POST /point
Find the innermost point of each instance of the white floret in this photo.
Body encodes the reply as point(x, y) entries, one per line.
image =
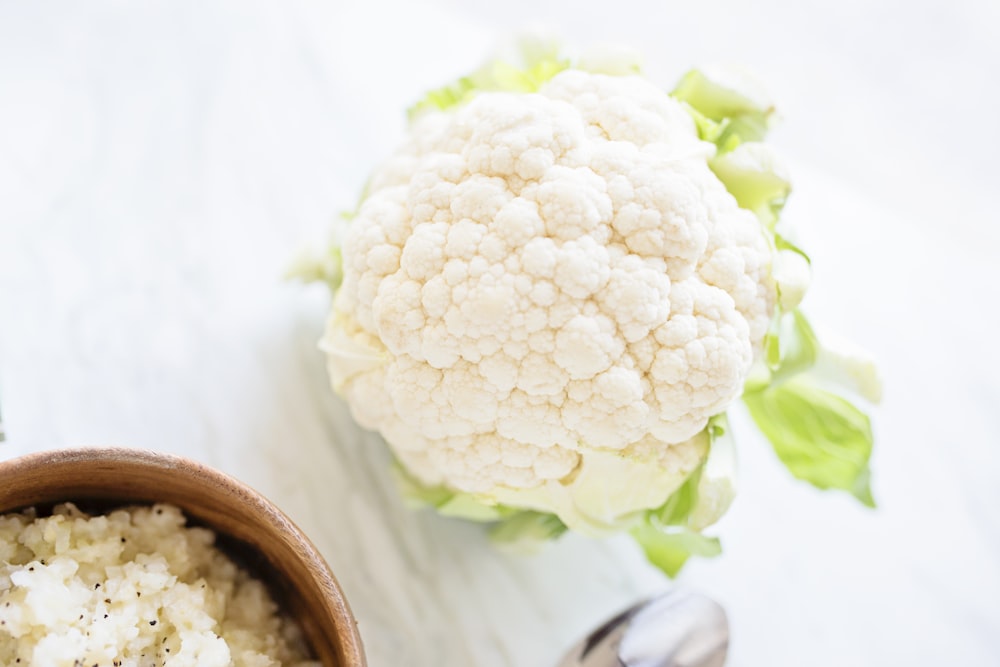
point(534, 279)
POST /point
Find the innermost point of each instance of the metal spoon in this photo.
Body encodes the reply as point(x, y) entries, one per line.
point(677, 629)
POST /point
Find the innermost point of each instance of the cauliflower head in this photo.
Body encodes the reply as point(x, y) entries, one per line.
point(547, 295)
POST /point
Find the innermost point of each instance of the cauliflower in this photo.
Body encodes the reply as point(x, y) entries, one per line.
point(554, 289)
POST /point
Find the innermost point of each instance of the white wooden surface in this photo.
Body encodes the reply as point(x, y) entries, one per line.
point(161, 162)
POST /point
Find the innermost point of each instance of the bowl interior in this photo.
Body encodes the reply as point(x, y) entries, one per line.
point(250, 528)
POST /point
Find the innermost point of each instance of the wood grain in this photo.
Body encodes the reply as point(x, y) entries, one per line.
point(249, 526)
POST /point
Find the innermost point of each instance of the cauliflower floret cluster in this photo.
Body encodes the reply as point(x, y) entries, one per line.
point(539, 283)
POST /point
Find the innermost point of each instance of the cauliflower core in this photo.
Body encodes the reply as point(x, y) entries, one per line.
point(544, 291)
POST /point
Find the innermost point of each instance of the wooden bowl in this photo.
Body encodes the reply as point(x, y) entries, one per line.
point(251, 529)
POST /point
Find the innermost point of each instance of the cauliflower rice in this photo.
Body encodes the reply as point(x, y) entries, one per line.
point(132, 588)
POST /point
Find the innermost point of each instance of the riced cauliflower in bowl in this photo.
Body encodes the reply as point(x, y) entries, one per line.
point(133, 587)
point(127, 558)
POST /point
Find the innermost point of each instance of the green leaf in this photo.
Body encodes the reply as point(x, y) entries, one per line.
point(781, 243)
point(417, 494)
point(727, 100)
point(325, 267)
point(844, 365)
point(522, 530)
point(497, 75)
point(772, 343)
point(754, 176)
point(799, 347)
point(444, 98)
point(736, 124)
point(791, 272)
point(526, 531)
point(447, 502)
point(679, 505)
point(790, 348)
point(716, 477)
point(718, 426)
point(819, 436)
point(466, 506)
point(727, 133)
point(668, 534)
point(527, 80)
point(708, 129)
point(720, 94)
point(669, 548)
point(742, 128)
point(862, 489)
point(697, 502)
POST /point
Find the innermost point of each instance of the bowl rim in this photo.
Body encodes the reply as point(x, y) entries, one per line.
point(203, 474)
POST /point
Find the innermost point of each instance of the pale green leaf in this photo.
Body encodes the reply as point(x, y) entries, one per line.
point(324, 267)
point(845, 365)
point(753, 174)
point(819, 436)
point(447, 502)
point(790, 348)
point(497, 75)
point(680, 504)
point(781, 243)
point(708, 130)
point(444, 98)
point(799, 347)
point(669, 548)
point(527, 531)
point(740, 129)
point(416, 494)
point(729, 99)
point(717, 477)
point(466, 506)
point(723, 93)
